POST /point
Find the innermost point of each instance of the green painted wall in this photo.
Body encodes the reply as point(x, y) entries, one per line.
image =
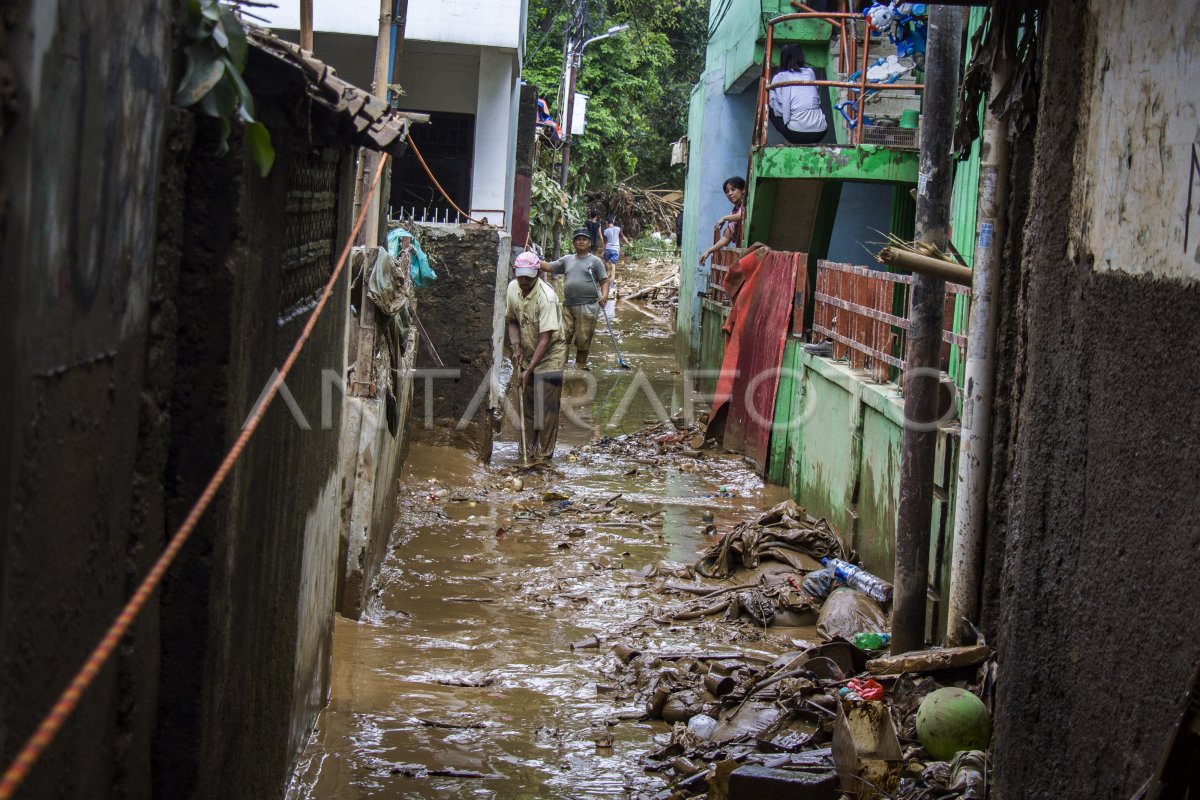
point(687, 308)
point(836, 445)
point(712, 343)
point(863, 163)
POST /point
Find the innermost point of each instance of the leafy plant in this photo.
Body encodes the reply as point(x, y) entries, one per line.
point(550, 206)
point(639, 84)
point(215, 50)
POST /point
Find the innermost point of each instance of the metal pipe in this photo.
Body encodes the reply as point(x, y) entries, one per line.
point(856, 133)
point(768, 54)
point(975, 444)
point(921, 379)
point(926, 265)
point(847, 85)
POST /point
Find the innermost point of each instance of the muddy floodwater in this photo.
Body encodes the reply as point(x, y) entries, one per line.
point(461, 680)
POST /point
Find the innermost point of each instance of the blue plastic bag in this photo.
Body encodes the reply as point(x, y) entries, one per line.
point(419, 270)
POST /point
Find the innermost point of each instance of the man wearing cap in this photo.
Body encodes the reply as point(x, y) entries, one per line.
point(534, 323)
point(585, 287)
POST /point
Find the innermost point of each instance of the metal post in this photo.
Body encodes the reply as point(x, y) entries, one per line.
point(974, 451)
point(921, 378)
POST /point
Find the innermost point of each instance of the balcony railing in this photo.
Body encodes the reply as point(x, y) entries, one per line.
point(856, 308)
point(849, 59)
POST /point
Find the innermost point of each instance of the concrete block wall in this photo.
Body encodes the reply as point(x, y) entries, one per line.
point(149, 291)
point(462, 312)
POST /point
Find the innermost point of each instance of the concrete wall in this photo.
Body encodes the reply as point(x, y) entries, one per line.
point(462, 313)
point(247, 610)
point(1095, 475)
point(150, 290)
point(719, 127)
point(836, 446)
point(81, 412)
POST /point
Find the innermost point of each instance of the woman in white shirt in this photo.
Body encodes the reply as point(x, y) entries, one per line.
point(796, 110)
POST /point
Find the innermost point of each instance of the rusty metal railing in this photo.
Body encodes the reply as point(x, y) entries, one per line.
point(847, 57)
point(856, 309)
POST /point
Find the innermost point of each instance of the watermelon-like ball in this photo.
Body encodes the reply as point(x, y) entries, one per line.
point(950, 720)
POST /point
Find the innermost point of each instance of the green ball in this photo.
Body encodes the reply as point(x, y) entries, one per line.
point(950, 720)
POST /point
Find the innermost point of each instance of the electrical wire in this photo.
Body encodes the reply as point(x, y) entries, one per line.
point(416, 152)
point(52, 723)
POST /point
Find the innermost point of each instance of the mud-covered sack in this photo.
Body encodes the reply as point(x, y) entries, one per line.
point(847, 612)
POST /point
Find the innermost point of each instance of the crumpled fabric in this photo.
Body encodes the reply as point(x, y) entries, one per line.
point(420, 273)
point(784, 533)
point(389, 288)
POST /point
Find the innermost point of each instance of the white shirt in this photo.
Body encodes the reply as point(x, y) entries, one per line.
point(799, 106)
point(612, 238)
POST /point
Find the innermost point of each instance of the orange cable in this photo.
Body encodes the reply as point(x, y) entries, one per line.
point(19, 769)
point(437, 185)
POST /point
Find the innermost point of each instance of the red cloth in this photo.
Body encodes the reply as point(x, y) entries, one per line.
point(761, 288)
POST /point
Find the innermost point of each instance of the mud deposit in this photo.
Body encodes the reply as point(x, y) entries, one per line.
point(462, 680)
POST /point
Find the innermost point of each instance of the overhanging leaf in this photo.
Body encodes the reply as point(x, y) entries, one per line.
point(237, 37)
point(222, 101)
point(218, 35)
point(260, 147)
point(204, 71)
point(243, 90)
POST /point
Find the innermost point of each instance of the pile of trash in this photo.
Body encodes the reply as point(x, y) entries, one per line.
point(830, 715)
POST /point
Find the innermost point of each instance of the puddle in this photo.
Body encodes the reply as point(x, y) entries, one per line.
point(461, 681)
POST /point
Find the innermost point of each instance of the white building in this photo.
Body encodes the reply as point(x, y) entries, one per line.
point(461, 63)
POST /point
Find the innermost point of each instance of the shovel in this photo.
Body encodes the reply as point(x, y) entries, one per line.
point(608, 324)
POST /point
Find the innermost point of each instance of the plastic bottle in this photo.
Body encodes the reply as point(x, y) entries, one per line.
point(858, 578)
point(872, 641)
point(848, 695)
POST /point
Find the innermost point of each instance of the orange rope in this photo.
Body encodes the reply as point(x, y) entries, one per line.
point(438, 186)
point(53, 721)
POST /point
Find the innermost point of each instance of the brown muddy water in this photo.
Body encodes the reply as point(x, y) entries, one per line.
point(473, 593)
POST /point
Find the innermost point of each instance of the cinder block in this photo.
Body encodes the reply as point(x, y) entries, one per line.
point(755, 782)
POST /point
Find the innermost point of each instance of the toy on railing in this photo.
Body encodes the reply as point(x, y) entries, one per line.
point(903, 24)
point(884, 71)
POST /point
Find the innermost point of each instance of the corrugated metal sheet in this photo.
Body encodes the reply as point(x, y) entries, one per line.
point(759, 323)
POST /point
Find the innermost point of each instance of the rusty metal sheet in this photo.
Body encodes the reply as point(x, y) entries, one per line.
point(763, 288)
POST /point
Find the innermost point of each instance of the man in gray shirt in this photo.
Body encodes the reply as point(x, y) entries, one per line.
point(586, 286)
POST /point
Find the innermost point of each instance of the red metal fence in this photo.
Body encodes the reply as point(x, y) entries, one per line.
point(864, 312)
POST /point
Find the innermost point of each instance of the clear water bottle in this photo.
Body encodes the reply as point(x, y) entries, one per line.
point(858, 578)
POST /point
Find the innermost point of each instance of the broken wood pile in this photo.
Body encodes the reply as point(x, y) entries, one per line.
point(638, 211)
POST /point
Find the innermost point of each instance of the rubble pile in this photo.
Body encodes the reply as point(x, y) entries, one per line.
point(831, 714)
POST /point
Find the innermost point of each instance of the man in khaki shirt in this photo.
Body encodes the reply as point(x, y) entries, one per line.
point(534, 327)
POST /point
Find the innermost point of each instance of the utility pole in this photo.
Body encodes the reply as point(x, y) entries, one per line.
point(571, 39)
point(922, 376)
point(364, 364)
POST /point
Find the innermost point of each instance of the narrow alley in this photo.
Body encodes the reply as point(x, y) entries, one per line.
point(560, 399)
point(461, 680)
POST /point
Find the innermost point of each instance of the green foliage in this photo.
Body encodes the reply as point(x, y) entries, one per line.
point(638, 84)
point(550, 206)
point(215, 51)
